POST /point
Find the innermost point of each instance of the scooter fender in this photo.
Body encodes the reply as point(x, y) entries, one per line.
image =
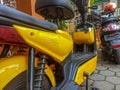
point(10, 67)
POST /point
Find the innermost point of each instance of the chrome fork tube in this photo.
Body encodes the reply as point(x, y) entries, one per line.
point(30, 72)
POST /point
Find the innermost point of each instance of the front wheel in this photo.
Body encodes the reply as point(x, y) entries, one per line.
point(19, 83)
point(116, 53)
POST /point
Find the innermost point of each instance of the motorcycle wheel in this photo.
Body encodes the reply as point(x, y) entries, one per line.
point(105, 55)
point(4, 50)
point(116, 53)
point(19, 83)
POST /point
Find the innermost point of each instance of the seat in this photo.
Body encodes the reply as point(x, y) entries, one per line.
point(10, 16)
point(53, 9)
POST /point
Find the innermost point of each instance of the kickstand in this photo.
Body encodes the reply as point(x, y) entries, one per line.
point(87, 88)
point(93, 88)
point(86, 75)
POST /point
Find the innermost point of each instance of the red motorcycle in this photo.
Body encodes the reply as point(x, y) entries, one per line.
point(110, 34)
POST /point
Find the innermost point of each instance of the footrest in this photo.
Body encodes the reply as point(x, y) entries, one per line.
point(79, 64)
point(82, 56)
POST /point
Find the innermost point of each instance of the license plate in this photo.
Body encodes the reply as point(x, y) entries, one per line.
point(113, 36)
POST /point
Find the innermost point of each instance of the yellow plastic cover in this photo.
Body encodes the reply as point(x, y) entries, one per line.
point(87, 67)
point(84, 37)
point(57, 44)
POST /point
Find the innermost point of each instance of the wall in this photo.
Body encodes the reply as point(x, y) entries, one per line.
point(28, 6)
point(24, 6)
point(33, 10)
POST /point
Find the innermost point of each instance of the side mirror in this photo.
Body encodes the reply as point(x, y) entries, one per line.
point(94, 7)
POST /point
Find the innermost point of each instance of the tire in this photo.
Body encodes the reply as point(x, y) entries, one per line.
point(105, 55)
point(19, 83)
point(4, 50)
point(116, 53)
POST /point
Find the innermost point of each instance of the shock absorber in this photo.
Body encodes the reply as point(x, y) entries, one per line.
point(39, 75)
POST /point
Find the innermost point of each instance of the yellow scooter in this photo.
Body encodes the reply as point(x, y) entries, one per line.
point(50, 63)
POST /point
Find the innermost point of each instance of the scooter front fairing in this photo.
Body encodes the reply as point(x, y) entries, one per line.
point(56, 44)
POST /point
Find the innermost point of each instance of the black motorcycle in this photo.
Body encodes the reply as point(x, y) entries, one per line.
point(110, 37)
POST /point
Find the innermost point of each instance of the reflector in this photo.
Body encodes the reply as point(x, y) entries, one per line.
point(8, 35)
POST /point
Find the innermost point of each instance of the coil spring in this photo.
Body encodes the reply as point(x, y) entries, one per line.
point(40, 73)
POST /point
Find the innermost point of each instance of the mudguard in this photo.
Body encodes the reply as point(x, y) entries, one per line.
point(12, 66)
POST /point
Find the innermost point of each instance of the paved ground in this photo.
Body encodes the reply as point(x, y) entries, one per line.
point(106, 75)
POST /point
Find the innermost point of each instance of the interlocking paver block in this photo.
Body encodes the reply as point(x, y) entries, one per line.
point(97, 77)
point(96, 71)
point(117, 87)
point(109, 65)
point(99, 67)
point(118, 66)
point(113, 79)
point(107, 73)
point(114, 69)
point(90, 82)
point(118, 74)
point(103, 85)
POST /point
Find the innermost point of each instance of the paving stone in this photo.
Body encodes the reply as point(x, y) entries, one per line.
point(97, 77)
point(118, 74)
point(99, 67)
point(107, 73)
point(107, 62)
point(109, 65)
point(93, 88)
point(83, 88)
point(117, 87)
point(99, 64)
point(113, 79)
point(101, 61)
point(103, 85)
point(96, 71)
point(90, 82)
point(118, 66)
point(114, 69)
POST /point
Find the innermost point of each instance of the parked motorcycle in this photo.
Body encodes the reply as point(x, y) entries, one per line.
point(110, 36)
point(49, 62)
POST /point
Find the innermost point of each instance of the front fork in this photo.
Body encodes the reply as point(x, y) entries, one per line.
point(30, 73)
point(32, 82)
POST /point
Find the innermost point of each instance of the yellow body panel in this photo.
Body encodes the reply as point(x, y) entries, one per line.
point(88, 67)
point(82, 37)
point(57, 44)
point(10, 67)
